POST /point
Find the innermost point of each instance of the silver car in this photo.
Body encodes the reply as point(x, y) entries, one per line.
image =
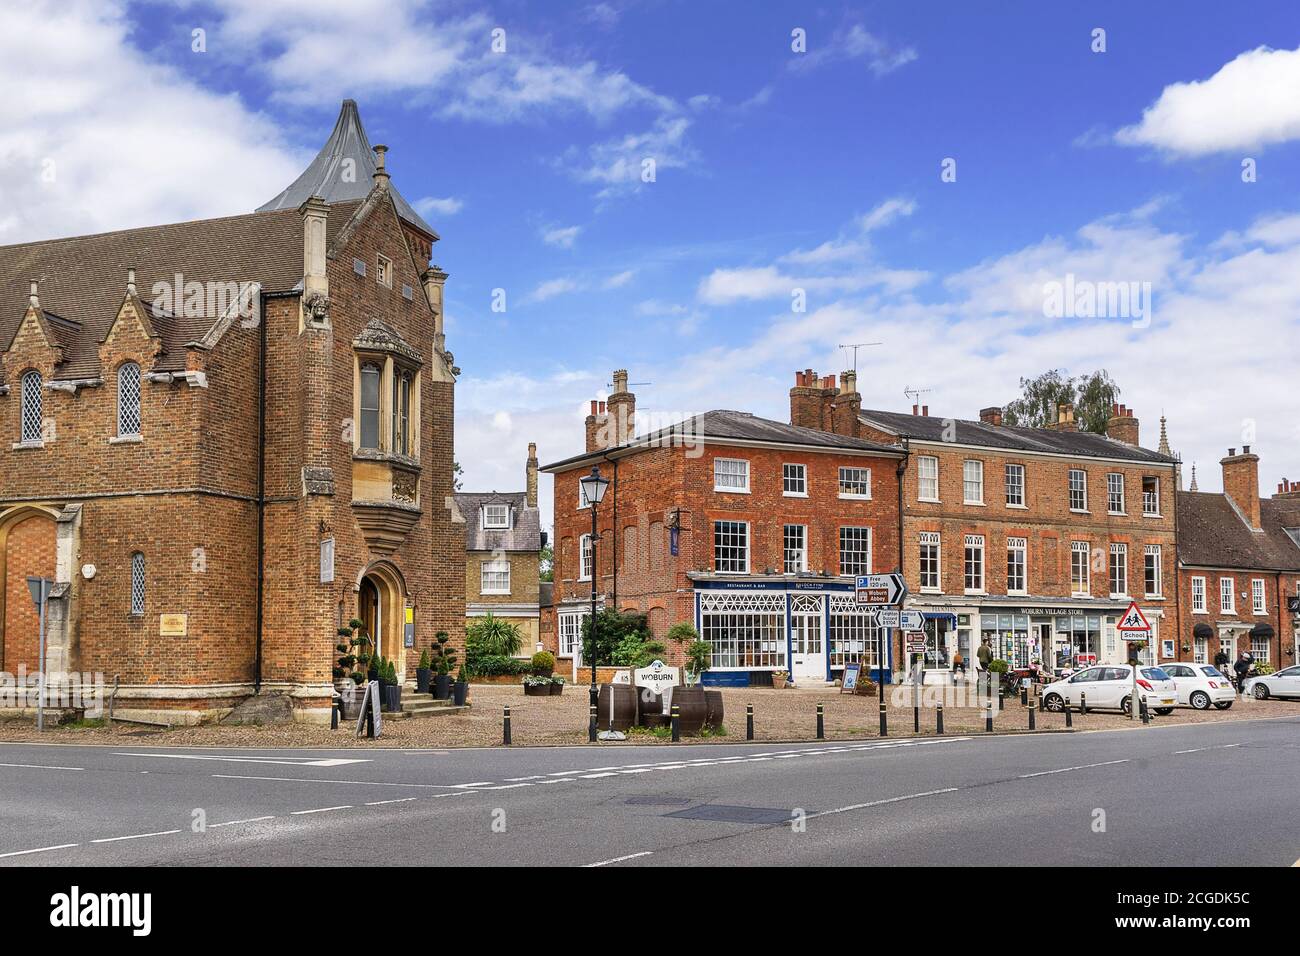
point(1283, 683)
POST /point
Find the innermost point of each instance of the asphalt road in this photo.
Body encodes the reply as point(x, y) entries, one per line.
point(1205, 794)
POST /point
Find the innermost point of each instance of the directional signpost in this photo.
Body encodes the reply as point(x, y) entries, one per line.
point(884, 592)
point(888, 617)
point(1136, 630)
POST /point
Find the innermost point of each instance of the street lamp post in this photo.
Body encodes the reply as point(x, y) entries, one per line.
point(593, 490)
point(40, 588)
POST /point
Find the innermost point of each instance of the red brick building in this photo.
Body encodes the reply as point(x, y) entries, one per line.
point(751, 529)
point(225, 438)
point(1238, 567)
point(1035, 539)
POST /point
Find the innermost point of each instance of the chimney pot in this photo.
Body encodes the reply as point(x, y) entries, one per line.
point(130, 281)
point(34, 298)
point(925, 410)
point(1245, 449)
point(593, 406)
point(1232, 452)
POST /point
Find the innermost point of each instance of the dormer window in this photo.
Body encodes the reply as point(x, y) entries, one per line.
point(128, 400)
point(384, 271)
point(31, 412)
point(496, 516)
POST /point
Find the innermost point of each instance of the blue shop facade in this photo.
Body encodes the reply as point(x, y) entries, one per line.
point(809, 627)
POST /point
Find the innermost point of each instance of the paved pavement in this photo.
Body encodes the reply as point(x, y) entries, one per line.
point(1209, 794)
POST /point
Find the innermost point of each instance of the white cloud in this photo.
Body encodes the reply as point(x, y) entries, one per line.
point(723, 286)
point(619, 279)
point(561, 236)
point(885, 213)
point(620, 164)
point(430, 205)
point(79, 144)
point(551, 288)
point(654, 307)
point(1252, 101)
point(854, 43)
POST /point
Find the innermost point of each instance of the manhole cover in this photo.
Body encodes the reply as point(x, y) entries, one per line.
point(657, 801)
point(724, 814)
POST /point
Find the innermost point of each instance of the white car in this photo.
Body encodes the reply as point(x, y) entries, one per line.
point(1200, 685)
point(1110, 687)
point(1283, 683)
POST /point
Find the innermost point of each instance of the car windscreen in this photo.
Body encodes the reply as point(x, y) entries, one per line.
point(1209, 671)
point(1154, 673)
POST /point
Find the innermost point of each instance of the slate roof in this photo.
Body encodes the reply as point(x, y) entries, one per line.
point(738, 426)
point(83, 278)
point(1212, 534)
point(325, 178)
point(524, 534)
point(1010, 437)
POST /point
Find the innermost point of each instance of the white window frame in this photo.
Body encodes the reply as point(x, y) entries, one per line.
point(967, 482)
point(384, 270)
point(1258, 596)
point(973, 544)
point(569, 633)
point(864, 564)
point(796, 474)
point(1158, 552)
point(1020, 547)
point(734, 529)
point(1156, 512)
point(930, 539)
point(494, 576)
point(1259, 649)
point(1112, 492)
point(1082, 475)
point(584, 557)
point(1117, 549)
point(1198, 596)
point(1080, 587)
point(503, 524)
point(1227, 589)
point(922, 479)
point(721, 471)
point(799, 553)
point(858, 480)
point(1017, 469)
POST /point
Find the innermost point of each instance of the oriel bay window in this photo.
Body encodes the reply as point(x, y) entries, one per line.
point(387, 405)
point(370, 377)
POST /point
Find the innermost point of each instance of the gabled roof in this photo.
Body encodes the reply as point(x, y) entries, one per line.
point(83, 278)
point(1212, 534)
point(524, 533)
point(733, 426)
point(1009, 437)
point(343, 170)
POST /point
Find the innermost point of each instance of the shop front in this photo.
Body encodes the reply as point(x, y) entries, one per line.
point(810, 629)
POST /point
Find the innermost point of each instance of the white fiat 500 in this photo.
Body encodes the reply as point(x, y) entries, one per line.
point(1284, 683)
point(1110, 687)
point(1200, 685)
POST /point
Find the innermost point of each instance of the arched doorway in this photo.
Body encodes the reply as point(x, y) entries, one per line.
point(381, 603)
point(27, 549)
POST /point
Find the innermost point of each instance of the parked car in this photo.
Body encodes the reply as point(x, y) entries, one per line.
point(1283, 683)
point(1110, 687)
point(1200, 685)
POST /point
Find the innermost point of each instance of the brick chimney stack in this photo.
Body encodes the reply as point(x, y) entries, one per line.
point(991, 415)
point(812, 401)
point(597, 427)
point(1064, 418)
point(622, 410)
point(315, 215)
point(1122, 425)
point(1288, 489)
point(531, 469)
point(381, 177)
point(848, 405)
point(435, 281)
point(1241, 483)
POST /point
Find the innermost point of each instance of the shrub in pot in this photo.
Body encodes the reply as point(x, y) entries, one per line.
point(460, 689)
point(391, 688)
point(543, 664)
point(423, 673)
point(444, 659)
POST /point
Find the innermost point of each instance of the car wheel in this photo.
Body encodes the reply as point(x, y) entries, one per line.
point(1223, 704)
point(1199, 700)
point(1164, 711)
point(1054, 703)
point(1125, 704)
point(1260, 691)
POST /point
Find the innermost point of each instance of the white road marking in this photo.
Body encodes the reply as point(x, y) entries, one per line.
point(135, 836)
point(618, 859)
point(1086, 766)
point(878, 803)
point(289, 762)
point(380, 803)
point(597, 776)
point(298, 813)
point(38, 766)
point(235, 823)
point(359, 783)
point(509, 786)
point(40, 849)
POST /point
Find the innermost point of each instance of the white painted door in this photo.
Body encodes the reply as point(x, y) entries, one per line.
point(808, 650)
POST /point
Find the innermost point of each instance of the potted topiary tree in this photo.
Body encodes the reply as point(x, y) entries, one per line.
point(460, 689)
point(444, 659)
point(392, 689)
point(423, 673)
point(543, 664)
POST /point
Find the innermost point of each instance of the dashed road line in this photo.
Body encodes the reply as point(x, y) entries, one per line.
point(879, 803)
point(380, 803)
point(299, 813)
point(619, 859)
point(235, 823)
point(135, 836)
point(38, 766)
point(39, 849)
point(1086, 766)
point(291, 762)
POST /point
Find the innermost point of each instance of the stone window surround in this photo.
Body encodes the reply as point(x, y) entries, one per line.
point(389, 367)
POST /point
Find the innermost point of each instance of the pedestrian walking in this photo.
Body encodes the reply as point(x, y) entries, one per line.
point(984, 657)
point(959, 664)
point(1242, 667)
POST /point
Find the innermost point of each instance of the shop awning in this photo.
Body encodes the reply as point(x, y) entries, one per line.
point(1262, 630)
point(1203, 630)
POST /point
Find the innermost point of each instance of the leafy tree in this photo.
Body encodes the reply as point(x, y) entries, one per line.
point(612, 628)
point(546, 563)
point(457, 476)
point(1091, 395)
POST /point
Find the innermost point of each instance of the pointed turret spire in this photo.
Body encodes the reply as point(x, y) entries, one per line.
point(1164, 439)
point(1193, 487)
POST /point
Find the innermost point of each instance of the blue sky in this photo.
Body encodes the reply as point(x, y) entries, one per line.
point(776, 170)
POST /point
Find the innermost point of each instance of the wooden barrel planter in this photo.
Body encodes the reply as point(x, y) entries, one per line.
point(692, 708)
point(623, 699)
point(713, 709)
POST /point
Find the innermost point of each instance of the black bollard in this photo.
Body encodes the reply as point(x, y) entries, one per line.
point(1001, 698)
point(1069, 718)
point(677, 724)
point(334, 715)
point(591, 723)
point(1024, 695)
point(749, 721)
point(821, 724)
point(938, 719)
point(1146, 714)
point(988, 717)
point(1083, 703)
point(505, 727)
point(1031, 715)
point(884, 719)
